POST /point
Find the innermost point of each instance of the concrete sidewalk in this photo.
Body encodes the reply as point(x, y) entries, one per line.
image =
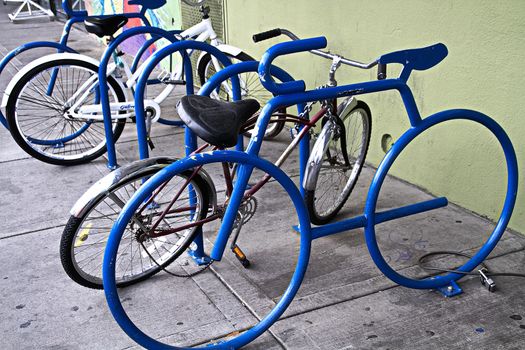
point(344, 303)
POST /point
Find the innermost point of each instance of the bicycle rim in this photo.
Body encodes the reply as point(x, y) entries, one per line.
point(40, 114)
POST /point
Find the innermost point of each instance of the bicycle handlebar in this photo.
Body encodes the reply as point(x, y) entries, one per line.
point(281, 49)
point(340, 59)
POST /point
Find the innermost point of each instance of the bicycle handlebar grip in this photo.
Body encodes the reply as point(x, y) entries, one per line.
point(285, 49)
point(266, 35)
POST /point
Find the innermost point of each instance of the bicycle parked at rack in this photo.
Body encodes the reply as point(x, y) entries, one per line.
point(74, 17)
point(64, 89)
point(186, 170)
point(338, 156)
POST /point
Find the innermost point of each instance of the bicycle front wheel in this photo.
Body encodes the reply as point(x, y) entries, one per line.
point(140, 255)
point(38, 112)
point(338, 173)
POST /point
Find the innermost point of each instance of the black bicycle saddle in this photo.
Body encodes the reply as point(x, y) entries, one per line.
point(103, 26)
point(216, 122)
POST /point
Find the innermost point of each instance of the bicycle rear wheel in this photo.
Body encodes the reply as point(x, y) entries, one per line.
point(335, 179)
point(37, 113)
point(140, 256)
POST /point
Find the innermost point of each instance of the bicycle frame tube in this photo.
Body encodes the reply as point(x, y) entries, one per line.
point(203, 28)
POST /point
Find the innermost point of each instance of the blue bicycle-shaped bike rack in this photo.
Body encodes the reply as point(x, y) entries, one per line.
point(290, 93)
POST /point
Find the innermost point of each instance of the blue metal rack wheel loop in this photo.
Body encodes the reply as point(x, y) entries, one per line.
point(136, 61)
point(152, 62)
point(147, 44)
point(292, 93)
point(399, 146)
point(104, 93)
point(145, 191)
point(238, 68)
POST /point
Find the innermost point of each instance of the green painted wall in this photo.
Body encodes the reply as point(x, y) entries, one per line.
point(485, 71)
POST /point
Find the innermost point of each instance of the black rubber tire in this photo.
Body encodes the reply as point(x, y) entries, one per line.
point(11, 116)
point(201, 71)
point(69, 234)
point(309, 197)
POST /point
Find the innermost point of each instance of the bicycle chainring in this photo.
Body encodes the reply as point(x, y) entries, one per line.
point(248, 209)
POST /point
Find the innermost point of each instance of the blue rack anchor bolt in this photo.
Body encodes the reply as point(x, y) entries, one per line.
point(451, 290)
point(199, 259)
point(196, 251)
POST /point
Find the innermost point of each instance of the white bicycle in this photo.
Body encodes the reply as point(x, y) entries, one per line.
point(53, 104)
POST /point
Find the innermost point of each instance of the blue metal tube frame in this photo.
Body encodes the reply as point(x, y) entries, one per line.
point(384, 216)
point(249, 160)
point(104, 94)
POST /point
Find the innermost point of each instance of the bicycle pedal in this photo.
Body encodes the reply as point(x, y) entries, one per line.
point(241, 256)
